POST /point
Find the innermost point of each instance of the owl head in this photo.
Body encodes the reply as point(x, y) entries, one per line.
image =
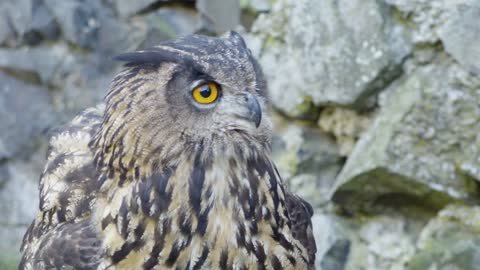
point(195, 91)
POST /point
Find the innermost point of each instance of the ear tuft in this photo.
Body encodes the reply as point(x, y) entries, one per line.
point(152, 56)
point(236, 38)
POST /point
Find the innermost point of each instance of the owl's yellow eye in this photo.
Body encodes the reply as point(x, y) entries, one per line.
point(205, 93)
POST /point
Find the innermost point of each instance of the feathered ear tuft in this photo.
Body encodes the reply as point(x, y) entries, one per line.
point(236, 38)
point(152, 56)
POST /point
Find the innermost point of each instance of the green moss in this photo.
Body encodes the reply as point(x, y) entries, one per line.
point(452, 249)
point(381, 186)
point(470, 184)
point(307, 110)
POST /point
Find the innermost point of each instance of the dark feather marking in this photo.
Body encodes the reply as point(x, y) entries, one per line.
point(123, 252)
point(144, 188)
point(175, 252)
point(196, 182)
point(153, 259)
point(276, 264)
point(254, 227)
point(58, 161)
point(133, 203)
point(240, 235)
point(224, 260)
point(120, 80)
point(203, 221)
point(117, 142)
point(62, 211)
point(106, 221)
point(79, 174)
point(134, 87)
point(82, 207)
point(122, 177)
point(253, 181)
point(123, 213)
point(111, 172)
point(136, 173)
point(243, 198)
point(261, 256)
point(159, 237)
point(292, 259)
point(300, 213)
point(250, 247)
point(121, 99)
point(158, 247)
point(184, 223)
point(155, 165)
point(160, 180)
point(280, 238)
point(202, 259)
point(162, 196)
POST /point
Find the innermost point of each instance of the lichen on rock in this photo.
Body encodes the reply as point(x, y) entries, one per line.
point(423, 139)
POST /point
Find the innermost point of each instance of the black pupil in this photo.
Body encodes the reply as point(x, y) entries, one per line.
point(205, 91)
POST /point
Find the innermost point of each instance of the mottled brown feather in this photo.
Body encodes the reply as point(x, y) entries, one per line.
point(68, 188)
point(151, 180)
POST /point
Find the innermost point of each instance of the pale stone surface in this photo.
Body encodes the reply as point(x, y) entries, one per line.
point(424, 140)
point(342, 50)
point(345, 124)
point(307, 159)
point(450, 241)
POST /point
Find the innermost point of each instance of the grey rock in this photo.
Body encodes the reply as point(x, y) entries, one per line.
point(452, 22)
point(26, 113)
point(256, 6)
point(126, 8)
point(425, 16)
point(307, 159)
point(424, 142)
point(341, 51)
point(78, 20)
point(4, 174)
point(42, 25)
point(169, 23)
point(333, 245)
point(128, 37)
point(336, 256)
point(84, 87)
point(461, 34)
point(28, 21)
point(345, 125)
point(218, 16)
point(451, 241)
point(42, 61)
point(382, 242)
point(6, 31)
point(18, 205)
point(19, 14)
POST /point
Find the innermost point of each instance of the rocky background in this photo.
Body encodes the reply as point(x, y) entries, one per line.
point(376, 104)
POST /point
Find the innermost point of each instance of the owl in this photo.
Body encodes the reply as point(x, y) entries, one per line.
point(172, 171)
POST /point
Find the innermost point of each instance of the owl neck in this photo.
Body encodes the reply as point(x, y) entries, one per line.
point(205, 198)
point(198, 178)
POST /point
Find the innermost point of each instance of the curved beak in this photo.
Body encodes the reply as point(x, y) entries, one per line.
point(254, 109)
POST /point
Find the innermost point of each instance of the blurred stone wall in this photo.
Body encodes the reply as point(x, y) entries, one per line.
point(376, 107)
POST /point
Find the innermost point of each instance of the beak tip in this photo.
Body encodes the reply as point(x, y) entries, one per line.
point(253, 111)
point(257, 122)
